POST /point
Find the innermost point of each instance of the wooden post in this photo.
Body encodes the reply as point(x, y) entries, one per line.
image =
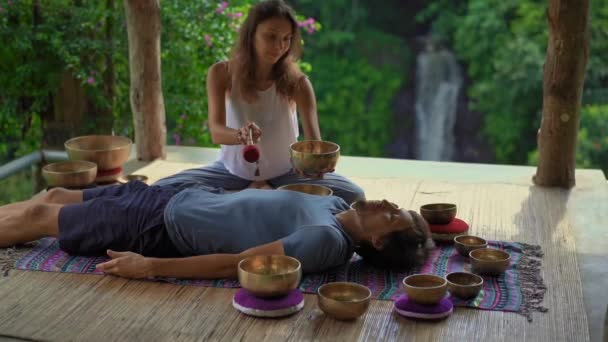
point(564, 76)
point(109, 78)
point(147, 104)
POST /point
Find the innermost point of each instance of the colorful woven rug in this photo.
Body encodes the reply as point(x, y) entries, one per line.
point(520, 289)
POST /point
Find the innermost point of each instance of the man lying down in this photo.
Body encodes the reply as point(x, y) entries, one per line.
point(160, 231)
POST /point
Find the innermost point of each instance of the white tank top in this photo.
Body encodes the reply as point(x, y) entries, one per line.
point(278, 120)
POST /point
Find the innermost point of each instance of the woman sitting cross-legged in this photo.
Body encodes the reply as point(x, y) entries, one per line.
point(260, 93)
point(153, 231)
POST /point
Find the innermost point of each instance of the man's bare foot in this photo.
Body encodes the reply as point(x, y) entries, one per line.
point(260, 185)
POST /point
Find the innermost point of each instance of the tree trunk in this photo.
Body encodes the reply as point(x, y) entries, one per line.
point(108, 74)
point(69, 112)
point(147, 104)
point(567, 54)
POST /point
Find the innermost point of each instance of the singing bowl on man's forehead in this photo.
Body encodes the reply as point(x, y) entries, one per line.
point(70, 174)
point(438, 213)
point(314, 156)
point(107, 151)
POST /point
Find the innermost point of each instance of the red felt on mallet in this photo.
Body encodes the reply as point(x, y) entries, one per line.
point(251, 153)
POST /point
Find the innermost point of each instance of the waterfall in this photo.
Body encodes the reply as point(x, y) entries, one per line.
point(438, 82)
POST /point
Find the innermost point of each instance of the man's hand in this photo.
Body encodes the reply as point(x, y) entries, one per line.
point(127, 265)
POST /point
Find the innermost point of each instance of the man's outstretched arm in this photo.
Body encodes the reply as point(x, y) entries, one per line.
point(133, 265)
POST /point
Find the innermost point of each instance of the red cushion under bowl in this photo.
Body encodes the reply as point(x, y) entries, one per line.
point(456, 226)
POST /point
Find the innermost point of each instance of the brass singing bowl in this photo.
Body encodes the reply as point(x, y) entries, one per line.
point(107, 151)
point(466, 243)
point(70, 174)
point(344, 300)
point(313, 157)
point(489, 261)
point(269, 275)
point(464, 285)
point(312, 189)
point(438, 213)
point(425, 289)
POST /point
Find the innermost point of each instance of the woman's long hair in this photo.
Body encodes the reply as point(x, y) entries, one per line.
point(285, 71)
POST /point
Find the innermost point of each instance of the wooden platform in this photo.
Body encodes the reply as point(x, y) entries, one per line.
point(61, 307)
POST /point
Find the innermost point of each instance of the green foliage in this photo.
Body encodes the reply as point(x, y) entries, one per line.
point(19, 138)
point(592, 141)
point(596, 83)
point(507, 83)
point(195, 36)
point(17, 187)
point(41, 42)
point(384, 50)
point(356, 66)
point(356, 71)
point(503, 45)
point(34, 53)
point(354, 103)
point(592, 149)
point(341, 19)
point(71, 38)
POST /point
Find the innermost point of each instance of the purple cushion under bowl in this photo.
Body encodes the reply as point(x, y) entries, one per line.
point(407, 308)
point(247, 303)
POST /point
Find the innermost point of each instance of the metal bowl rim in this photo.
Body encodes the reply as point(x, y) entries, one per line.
point(347, 283)
point(461, 285)
point(468, 244)
point(318, 154)
point(67, 147)
point(91, 166)
point(508, 258)
point(451, 206)
point(296, 270)
point(445, 282)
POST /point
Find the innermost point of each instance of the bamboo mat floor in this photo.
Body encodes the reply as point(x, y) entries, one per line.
point(62, 307)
